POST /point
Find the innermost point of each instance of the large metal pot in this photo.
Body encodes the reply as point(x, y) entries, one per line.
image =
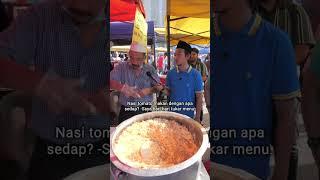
point(187, 170)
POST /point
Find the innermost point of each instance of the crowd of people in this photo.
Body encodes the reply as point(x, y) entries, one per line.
point(137, 82)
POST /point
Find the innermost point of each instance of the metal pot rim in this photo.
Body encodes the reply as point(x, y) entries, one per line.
point(159, 171)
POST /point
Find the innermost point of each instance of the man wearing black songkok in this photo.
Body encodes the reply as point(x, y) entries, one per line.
point(184, 84)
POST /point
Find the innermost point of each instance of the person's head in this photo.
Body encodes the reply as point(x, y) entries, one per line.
point(277, 3)
point(182, 53)
point(84, 11)
point(137, 56)
point(194, 55)
point(165, 54)
point(222, 7)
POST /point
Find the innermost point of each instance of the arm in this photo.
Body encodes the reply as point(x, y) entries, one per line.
point(285, 90)
point(284, 136)
point(115, 85)
point(199, 97)
point(311, 94)
point(149, 91)
point(207, 93)
point(205, 72)
point(166, 90)
point(304, 37)
point(311, 103)
point(302, 52)
point(204, 78)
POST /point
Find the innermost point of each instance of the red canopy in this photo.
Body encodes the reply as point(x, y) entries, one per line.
point(125, 10)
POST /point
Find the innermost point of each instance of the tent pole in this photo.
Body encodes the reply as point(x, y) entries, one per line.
point(168, 42)
point(154, 52)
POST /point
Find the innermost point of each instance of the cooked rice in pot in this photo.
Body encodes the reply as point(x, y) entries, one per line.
point(155, 143)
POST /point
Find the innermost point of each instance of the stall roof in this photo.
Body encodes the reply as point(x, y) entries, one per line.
point(189, 8)
point(198, 33)
point(189, 23)
point(121, 32)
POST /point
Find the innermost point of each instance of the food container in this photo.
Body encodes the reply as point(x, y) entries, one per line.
point(191, 169)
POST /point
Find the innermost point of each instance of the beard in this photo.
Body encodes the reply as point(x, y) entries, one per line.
point(192, 60)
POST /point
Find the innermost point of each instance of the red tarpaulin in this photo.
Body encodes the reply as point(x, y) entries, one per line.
point(124, 10)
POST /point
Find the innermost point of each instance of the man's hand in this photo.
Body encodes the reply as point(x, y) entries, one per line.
point(158, 87)
point(129, 91)
point(63, 95)
point(148, 91)
point(166, 91)
point(145, 92)
point(199, 97)
point(284, 136)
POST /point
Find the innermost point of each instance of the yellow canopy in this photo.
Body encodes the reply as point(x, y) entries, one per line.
point(189, 21)
point(189, 8)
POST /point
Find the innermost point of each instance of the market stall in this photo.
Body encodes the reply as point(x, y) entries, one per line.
point(121, 33)
point(189, 21)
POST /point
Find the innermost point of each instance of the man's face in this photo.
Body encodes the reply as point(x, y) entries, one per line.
point(83, 11)
point(223, 6)
point(180, 57)
point(194, 57)
point(136, 59)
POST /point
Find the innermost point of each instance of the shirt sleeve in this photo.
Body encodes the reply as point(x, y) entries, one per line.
point(117, 73)
point(205, 70)
point(315, 60)
point(285, 83)
point(304, 29)
point(198, 83)
point(19, 40)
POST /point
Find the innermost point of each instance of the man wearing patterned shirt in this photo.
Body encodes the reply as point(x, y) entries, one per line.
point(136, 81)
point(196, 63)
point(65, 42)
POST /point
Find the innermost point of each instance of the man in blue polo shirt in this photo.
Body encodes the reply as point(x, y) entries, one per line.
point(254, 74)
point(184, 84)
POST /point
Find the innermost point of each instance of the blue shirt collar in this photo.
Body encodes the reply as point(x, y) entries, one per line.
point(188, 71)
point(249, 29)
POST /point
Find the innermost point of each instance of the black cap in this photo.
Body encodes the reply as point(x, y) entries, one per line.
point(185, 46)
